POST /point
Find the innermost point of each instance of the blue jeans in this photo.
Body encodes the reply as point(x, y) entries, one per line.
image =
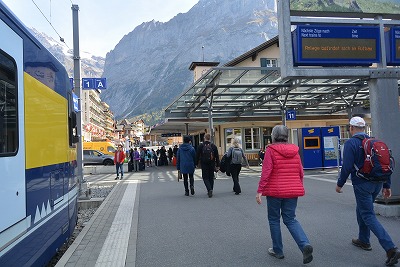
point(286, 207)
point(119, 166)
point(366, 194)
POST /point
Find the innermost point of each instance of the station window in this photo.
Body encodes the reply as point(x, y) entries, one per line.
point(231, 133)
point(252, 138)
point(268, 62)
point(8, 106)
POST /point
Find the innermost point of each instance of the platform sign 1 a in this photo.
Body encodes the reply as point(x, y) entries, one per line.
point(94, 83)
point(100, 83)
point(336, 45)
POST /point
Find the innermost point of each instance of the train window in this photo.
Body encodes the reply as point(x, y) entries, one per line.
point(8, 106)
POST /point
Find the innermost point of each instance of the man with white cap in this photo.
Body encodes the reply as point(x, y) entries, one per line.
point(365, 193)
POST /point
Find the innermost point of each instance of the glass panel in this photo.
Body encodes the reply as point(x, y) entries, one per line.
point(8, 106)
point(252, 138)
point(248, 138)
point(231, 133)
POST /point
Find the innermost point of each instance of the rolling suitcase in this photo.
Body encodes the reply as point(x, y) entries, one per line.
point(130, 166)
point(141, 166)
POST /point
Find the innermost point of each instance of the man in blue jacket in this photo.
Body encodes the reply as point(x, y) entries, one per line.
point(365, 193)
point(185, 163)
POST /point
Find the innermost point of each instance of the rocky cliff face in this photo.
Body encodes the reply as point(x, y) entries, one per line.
point(148, 68)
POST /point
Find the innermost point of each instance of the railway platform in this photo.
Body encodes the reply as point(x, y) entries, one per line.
point(147, 221)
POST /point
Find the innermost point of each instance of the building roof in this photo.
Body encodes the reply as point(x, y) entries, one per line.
point(193, 65)
point(253, 52)
point(257, 93)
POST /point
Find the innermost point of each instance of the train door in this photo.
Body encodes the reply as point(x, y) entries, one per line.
point(12, 145)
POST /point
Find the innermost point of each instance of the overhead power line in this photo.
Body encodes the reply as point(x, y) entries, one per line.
point(61, 39)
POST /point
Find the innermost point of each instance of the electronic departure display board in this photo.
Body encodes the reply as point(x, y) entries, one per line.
point(336, 45)
point(393, 44)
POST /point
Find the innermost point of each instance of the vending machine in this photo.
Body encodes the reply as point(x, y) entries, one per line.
point(319, 147)
point(330, 146)
point(310, 147)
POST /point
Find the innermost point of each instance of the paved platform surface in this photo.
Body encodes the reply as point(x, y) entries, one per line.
point(147, 221)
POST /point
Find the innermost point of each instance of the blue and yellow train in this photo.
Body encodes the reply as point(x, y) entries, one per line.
point(38, 179)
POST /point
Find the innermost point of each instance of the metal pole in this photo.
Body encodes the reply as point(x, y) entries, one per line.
point(186, 128)
point(210, 118)
point(78, 92)
point(385, 117)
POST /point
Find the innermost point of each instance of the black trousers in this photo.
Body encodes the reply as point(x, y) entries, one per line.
point(235, 170)
point(207, 173)
point(185, 180)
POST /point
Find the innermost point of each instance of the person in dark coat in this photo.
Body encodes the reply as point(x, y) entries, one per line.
point(185, 163)
point(208, 168)
point(170, 154)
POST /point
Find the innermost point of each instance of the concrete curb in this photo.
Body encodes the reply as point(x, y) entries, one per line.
point(67, 255)
point(387, 210)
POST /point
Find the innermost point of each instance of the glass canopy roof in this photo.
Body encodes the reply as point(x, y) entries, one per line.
point(232, 92)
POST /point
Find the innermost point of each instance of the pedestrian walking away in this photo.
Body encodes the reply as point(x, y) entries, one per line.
point(207, 156)
point(186, 163)
point(282, 183)
point(236, 155)
point(136, 157)
point(119, 158)
point(365, 193)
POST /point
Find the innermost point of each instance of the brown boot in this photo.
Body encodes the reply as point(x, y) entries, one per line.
point(393, 256)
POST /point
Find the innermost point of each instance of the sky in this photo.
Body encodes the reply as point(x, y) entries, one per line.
point(102, 24)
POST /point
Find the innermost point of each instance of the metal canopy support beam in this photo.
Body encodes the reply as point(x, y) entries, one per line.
point(210, 117)
point(209, 88)
point(187, 128)
point(385, 113)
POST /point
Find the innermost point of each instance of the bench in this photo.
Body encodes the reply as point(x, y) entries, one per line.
point(252, 158)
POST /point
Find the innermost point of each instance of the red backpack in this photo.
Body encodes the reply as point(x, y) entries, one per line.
point(378, 160)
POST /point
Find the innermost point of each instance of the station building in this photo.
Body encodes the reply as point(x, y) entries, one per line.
point(246, 98)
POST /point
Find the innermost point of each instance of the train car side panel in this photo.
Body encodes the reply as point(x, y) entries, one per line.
point(46, 125)
point(12, 150)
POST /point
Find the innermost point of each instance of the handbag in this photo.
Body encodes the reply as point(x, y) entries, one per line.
point(179, 175)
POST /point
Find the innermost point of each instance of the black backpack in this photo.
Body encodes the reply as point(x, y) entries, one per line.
point(207, 153)
point(224, 163)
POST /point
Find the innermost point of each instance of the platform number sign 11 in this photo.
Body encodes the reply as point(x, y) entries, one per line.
point(291, 115)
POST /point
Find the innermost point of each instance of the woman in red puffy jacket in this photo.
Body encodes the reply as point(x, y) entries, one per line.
point(282, 183)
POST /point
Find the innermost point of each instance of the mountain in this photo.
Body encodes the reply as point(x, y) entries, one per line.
point(148, 68)
point(91, 66)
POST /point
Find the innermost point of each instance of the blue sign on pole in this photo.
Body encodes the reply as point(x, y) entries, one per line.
point(291, 115)
point(94, 83)
point(317, 45)
point(87, 83)
point(71, 82)
point(100, 83)
point(76, 102)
